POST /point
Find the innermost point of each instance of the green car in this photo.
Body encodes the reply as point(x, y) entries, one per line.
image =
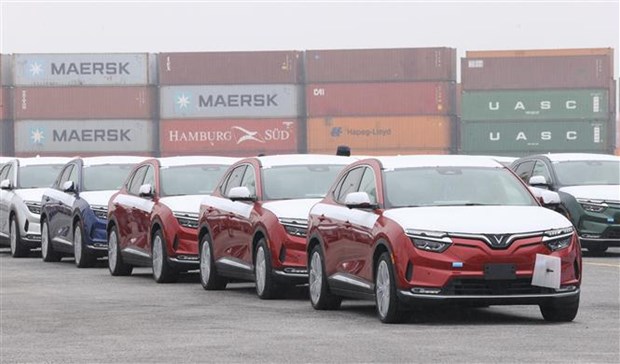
point(589, 188)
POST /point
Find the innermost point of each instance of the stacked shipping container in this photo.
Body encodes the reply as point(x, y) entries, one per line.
point(230, 103)
point(6, 122)
point(380, 101)
point(86, 104)
point(522, 102)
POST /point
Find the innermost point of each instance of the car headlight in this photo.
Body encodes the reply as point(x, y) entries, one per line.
point(295, 227)
point(100, 211)
point(34, 207)
point(558, 238)
point(187, 219)
point(432, 241)
point(592, 205)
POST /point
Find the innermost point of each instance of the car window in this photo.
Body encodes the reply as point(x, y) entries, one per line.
point(249, 180)
point(38, 176)
point(136, 180)
point(149, 176)
point(193, 179)
point(4, 172)
point(65, 175)
point(104, 177)
point(235, 178)
point(350, 184)
point(288, 182)
point(540, 169)
point(524, 170)
point(587, 172)
point(369, 185)
point(74, 176)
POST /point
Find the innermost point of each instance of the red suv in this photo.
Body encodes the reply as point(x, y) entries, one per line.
point(253, 226)
point(440, 229)
point(152, 220)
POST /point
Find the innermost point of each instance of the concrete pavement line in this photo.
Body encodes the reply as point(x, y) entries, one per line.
point(604, 264)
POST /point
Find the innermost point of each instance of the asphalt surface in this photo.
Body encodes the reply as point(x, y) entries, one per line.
point(56, 313)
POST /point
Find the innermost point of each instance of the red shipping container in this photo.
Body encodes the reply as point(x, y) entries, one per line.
point(387, 99)
point(232, 137)
point(209, 68)
point(74, 154)
point(374, 65)
point(96, 102)
point(536, 72)
point(5, 103)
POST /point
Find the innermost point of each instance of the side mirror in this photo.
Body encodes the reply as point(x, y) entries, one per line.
point(538, 181)
point(5, 184)
point(358, 200)
point(146, 190)
point(546, 197)
point(241, 193)
point(68, 186)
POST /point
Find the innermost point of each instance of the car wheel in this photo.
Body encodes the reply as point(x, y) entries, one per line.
point(18, 250)
point(47, 250)
point(560, 311)
point(597, 249)
point(83, 258)
point(209, 278)
point(388, 304)
point(115, 259)
point(266, 288)
point(320, 296)
point(162, 271)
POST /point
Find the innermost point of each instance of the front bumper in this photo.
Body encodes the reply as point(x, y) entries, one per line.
point(30, 230)
point(291, 275)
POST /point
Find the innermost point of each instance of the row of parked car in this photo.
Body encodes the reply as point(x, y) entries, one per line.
point(400, 230)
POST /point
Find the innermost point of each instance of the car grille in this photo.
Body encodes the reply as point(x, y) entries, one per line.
point(612, 234)
point(481, 287)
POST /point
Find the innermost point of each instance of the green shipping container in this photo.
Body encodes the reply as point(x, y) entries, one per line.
point(520, 137)
point(535, 105)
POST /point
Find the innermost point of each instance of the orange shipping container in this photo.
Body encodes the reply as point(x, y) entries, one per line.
point(380, 135)
point(541, 53)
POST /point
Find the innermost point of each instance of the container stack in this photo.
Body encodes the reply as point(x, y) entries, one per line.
point(381, 101)
point(537, 101)
point(83, 104)
point(6, 122)
point(230, 103)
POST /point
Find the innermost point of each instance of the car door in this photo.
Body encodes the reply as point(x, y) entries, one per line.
point(124, 205)
point(66, 199)
point(53, 201)
point(241, 223)
point(142, 213)
point(5, 201)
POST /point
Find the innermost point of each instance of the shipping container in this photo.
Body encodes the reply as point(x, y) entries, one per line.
point(84, 136)
point(535, 104)
point(83, 154)
point(387, 99)
point(235, 137)
point(77, 69)
point(376, 65)
point(385, 151)
point(230, 101)
point(208, 68)
point(6, 138)
point(379, 134)
point(536, 72)
point(541, 53)
point(98, 102)
point(5, 70)
point(5, 103)
point(534, 137)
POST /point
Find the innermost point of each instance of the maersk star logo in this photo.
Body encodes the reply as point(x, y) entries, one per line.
point(183, 101)
point(35, 69)
point(37, 135)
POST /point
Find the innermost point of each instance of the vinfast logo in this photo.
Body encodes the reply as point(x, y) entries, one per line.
point(182, 100)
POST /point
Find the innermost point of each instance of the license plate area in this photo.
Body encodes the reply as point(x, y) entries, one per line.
point(494, 272)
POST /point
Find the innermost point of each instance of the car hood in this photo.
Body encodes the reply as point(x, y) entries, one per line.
point(186, 203)
point(598, 192)
point(478, 219)
point(99, 198)
point(294, 209)
point(30, 194)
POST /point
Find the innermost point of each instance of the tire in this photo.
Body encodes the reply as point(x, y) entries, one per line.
point(162, 271)
point(18, 250)
point(320, 296)
point(266, 287)
point(115, 260)
point(47, 249)
point(83, 258)
point(560, 311)
point(209, 278)
point(597, 249)
point(388, 304)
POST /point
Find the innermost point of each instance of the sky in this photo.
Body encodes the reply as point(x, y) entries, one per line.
point(167, 26)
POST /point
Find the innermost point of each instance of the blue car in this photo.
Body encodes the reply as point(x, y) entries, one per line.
point(74, 211)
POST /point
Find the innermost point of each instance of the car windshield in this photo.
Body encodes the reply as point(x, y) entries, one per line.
point(190, 180)
point(303, 181)
point(38, 176)
point(454, 186)
point(593, 172)
point(105, 177)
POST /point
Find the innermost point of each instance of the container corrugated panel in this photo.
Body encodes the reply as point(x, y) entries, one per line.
point(230, 101)
point(74, 69)
point(229, 136)
point(541, 53)
point(375, 65)
point(535, 104)
point(82, 154)
point(534, 136)
point(204, 68)
point(5, 103)
point(379, 133)
point(536, 72)
point(97, 102)
point(386, 98)
point(385, 151)
point(84, 136)
point(5, 70)
point(6, 138)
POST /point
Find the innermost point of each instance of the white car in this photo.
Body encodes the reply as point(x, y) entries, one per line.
point(22, 182)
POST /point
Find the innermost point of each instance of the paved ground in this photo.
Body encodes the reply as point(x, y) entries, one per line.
point(54, 312)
